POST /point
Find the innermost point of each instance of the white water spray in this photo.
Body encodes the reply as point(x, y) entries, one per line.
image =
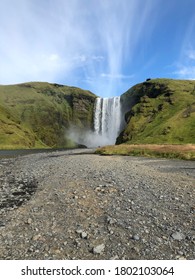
point(107, 120)
point(107, 124)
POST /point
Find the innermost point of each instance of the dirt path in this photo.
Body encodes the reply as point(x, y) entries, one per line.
point(70, 205)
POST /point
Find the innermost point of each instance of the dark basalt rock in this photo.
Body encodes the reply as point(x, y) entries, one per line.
point(15, 192)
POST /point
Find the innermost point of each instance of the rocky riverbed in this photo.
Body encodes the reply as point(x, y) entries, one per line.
point(77, 205)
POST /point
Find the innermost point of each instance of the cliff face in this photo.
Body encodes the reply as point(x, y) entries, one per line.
point(159, 111)
point(35, 115)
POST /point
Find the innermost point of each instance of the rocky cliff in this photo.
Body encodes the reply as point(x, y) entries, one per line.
point(36, 115)
point(159, 111)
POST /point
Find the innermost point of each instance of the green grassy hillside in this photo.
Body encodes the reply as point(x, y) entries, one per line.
point(36, 115)
point(159, 111)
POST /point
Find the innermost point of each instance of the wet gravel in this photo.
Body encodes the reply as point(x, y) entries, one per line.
point(77, 205)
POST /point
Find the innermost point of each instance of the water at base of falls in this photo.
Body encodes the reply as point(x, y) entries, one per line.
point(107, 120)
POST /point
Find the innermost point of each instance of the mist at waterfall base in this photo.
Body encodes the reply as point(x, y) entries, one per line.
point(88, 138)
point(106, 127)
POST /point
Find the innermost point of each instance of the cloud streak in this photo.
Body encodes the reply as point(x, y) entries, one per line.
point(191, 54)
point(84, 43)
point(186, 62)
point(116, 76)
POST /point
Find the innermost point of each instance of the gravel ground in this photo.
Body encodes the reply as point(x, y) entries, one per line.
point(76, 205)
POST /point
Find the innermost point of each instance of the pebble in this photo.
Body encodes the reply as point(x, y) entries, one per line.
point(29, 221)
point(91, 226)
point(111, 221)
point(2, 224)
point(116, 257)
point(180, 258)
point(177, 236)
point(136, 237)
point(83, 235)
point(180, 253)
point(99, 249)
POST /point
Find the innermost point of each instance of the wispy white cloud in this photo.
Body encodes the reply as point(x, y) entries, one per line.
point(116, 76)
point(83, 59)
point(186, 72)
point(185, 67)
point(72, 41)
point(191, 54)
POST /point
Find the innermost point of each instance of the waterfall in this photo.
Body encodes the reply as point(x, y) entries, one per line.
point(107, 120)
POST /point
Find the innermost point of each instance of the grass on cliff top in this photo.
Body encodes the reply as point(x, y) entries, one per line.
point(165, 113)
point(37, 114)
point(186, 152)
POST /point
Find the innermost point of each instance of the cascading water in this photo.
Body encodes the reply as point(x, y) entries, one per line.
point(107, 120)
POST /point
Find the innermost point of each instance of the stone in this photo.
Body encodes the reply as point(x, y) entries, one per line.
point(116, 257)
point(83, 235)
point(36, 237)
point(111, 221)
point(2, 224)
point(177, 236)
point(181, 258)
point(136, 249)
point(29, 221)
point(180, 253)
point(79, 231)
point(136, 237)
point(99, 249)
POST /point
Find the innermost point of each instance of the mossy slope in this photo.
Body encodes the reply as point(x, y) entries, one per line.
point(159, 111)
point(35, 115)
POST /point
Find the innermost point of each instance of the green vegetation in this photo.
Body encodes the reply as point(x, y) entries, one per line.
point(38, 115)
point(186, 152)
point(158, 114)
point(159, 111)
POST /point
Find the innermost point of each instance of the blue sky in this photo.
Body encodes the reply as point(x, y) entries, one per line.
point(105, 46)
